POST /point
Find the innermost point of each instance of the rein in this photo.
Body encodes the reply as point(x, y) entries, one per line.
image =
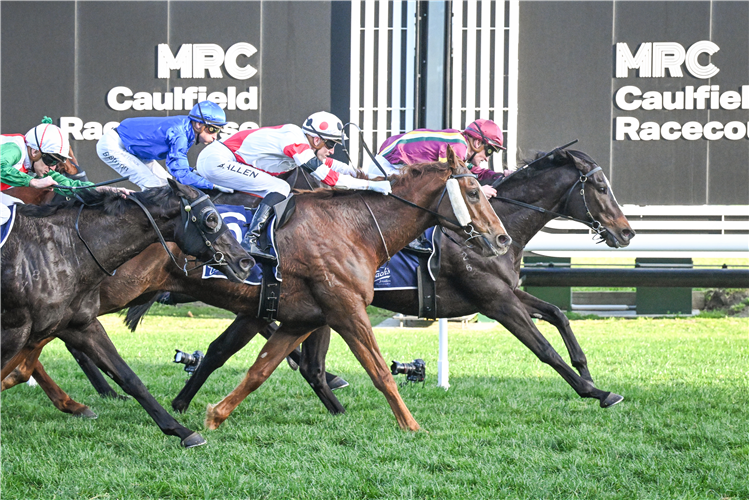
point(593, 223)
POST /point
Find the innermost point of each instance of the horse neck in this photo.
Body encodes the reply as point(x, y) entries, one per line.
point(133, 234)
point(547, 190)
point(401, 223)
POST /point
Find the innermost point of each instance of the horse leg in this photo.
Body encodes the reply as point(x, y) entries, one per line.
point(506, 308)
point(59, 398)
point(94, 375)
point(22, 372)
point(240, 332)
point(94, 341)
point(356, 330)
point(280, 344)
point(552, 314)
point(25, 353)
point(312, 368)
point(334, 381)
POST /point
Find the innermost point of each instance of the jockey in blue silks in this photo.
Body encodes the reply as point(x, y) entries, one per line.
point(133, 147)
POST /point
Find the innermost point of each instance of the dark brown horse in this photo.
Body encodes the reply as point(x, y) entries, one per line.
point(57, 256)
point(350, 265)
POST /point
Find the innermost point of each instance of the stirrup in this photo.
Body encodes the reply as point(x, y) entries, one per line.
point(258, 254)
point(419, 245)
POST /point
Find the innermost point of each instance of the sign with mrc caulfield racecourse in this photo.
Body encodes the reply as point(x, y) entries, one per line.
point(191, 61)
point(654, 60)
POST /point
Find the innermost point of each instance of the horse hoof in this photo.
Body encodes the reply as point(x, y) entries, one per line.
point(211, 422)
point(611, 400)
point(86, 413)
point(292, 364)
point(337, 383)
point(180, 406)
point(193, 440)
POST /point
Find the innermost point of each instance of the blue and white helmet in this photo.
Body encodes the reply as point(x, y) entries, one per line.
point(209, 113)
point(325, 125)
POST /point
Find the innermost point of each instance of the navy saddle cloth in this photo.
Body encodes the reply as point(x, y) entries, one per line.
point(238, 218)
point(400, 272)
point(6, 228)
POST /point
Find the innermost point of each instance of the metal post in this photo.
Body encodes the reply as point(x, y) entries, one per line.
point(443, 365)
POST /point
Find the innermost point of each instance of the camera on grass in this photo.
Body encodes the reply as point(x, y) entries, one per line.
point(414, 371)
point(191, 361)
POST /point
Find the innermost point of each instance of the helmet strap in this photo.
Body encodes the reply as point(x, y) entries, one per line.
point(311, 141)
point(32, 157)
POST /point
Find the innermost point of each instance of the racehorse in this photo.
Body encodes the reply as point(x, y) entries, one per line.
point(57, 256)
point(332, 281)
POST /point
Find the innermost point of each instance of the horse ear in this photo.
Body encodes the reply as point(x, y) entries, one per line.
point(451, 158)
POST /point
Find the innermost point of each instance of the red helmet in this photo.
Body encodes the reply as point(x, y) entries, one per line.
point(487, 132)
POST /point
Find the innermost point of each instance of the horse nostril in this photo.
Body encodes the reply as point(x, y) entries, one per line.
point(628, 233)
point(246, 264)
point(504, 240)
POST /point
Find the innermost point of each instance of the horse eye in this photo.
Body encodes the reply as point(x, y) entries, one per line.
point(473, 194)
point(603, 189)
point(212, 220)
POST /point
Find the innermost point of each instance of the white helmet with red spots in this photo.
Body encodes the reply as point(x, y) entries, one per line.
point(324, 125)
point(48, 138)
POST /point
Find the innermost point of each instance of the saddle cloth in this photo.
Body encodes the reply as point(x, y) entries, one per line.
point(238, 218)
point(8, 226)
point(400, 272)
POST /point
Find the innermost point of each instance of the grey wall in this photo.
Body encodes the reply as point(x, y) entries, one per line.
point(567, 87)
point(95, 46)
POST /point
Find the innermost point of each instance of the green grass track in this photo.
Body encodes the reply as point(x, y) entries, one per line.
point(508, 427)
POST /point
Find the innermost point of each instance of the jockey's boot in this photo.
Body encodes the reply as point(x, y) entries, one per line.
point(250, 241)
point(420, 244)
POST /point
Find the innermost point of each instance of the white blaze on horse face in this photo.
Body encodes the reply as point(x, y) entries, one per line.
point(458, 203)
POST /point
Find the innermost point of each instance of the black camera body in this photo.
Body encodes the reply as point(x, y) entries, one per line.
point(416, 371)
point(191, 361)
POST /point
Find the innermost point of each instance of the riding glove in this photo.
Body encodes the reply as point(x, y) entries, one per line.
point(380, 187)
point(223, 189)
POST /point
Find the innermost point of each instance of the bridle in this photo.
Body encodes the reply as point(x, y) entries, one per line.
point(195, 213)
point(592, 223)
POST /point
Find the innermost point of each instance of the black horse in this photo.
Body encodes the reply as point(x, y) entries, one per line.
point(57, 256)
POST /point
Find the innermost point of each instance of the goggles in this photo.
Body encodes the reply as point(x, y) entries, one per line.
point(212, 129)
point(490, 150)
point(52, 160)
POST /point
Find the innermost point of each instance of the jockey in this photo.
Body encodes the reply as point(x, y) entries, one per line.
point(474, 145)
point(31, 160)
point(133, 147)
point(251, 161)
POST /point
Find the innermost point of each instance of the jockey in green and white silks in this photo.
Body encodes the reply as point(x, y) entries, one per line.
point(30, 161)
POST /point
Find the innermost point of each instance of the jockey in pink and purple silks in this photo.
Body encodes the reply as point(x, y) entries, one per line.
point(474, 145)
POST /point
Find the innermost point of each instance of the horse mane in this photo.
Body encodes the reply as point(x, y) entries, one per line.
point(525, 171)
point(110, 203)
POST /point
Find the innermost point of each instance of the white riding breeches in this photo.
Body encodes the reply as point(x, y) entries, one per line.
point(218, 165)
point(5, 202)
point(145, 173)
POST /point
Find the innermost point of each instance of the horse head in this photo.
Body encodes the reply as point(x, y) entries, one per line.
point(592, 200)
point(203, 234)
point(474, 214)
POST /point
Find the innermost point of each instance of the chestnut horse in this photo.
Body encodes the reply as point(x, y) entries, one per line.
point(57, 256)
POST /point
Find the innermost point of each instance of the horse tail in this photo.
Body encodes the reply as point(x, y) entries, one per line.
point(135, 314)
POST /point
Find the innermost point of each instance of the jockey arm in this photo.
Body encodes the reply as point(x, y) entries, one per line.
point(331, 172)
point(10, 156)
point(176, 160)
